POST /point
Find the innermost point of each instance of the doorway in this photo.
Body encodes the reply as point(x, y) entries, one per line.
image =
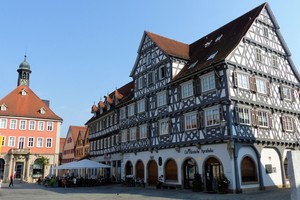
point(152, 172)
point(190, 168)
point(19, 170)
point(213, 173)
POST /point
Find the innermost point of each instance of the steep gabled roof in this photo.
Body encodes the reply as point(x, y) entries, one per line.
point(169, 46)
point(216, 46)
point(23, 102)
point(75, 131)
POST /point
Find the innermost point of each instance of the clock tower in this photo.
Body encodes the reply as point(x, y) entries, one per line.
point(24, 72)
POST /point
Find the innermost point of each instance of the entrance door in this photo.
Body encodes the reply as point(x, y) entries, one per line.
point(190, 169)
point(152, 173)
point(1, 168)
point(19, 170)
point(213, 173)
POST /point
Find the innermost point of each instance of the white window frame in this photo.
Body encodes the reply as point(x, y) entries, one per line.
point(150, 78)
point(289, 123)
point(32, 125)
point(208, 82)
point(21, 141)
point(11, 141)
point(132, 134)
point(41, 125)
point(244, 115)
point(140, 82)
point(123, 113)
point(263, 118)
point(40, 142)
point(22, 125)
point(141, 106)
point(163, 126)
point(143, 131)
point(47, 142)
point(124, 136)
point(29, 142)
point(161, 98)
point(190, 121)
point(258, 55)
point(187, 89)
point(243, 80)
point(265, 31)
point(130, 110)
point(212, 116)
point(274, 61)
point(261, 85)
point(287, 93)
point(3, 123)
point(50, 126)
point(13, 124)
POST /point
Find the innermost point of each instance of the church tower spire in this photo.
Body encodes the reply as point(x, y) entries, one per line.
point(24, 72)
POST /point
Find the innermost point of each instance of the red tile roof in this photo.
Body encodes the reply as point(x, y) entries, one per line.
point(75, 130)
point(169, 46)
point(219, 43)
point(28, 105)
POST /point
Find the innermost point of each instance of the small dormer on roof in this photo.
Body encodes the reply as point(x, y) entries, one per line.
point(101, 104)
point(118, 95)
point(24, 92)
point(108, 99)
point(94, 109)
point(42, 111)
point(3, 107)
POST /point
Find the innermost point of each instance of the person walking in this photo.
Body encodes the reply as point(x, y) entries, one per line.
point(11, 183)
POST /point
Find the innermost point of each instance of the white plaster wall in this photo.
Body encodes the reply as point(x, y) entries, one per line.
point(270, 156)
point(219, 151)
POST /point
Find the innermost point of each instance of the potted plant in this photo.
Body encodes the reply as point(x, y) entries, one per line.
point(197, 183)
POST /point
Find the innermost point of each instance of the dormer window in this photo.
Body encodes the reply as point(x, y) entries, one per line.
point(23, 92)
point(43, 111)
point(3, 107)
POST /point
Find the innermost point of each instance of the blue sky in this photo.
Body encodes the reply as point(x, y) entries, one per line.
point(81, 50)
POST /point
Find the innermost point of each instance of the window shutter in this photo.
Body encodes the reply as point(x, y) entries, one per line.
point(170, 126)
point(294, 125)
point(281, 92)
point(268, 88)
point(182, 123)
point(137, 133)
point(198, 86)
point(198, 120)
point(254, 117)
point(237, 117)
point(128, 135)
point(221, 112)
point(270, 120)
point(168, 97)
point(202, 119)
point(217, 80)
point(283, 123)
point(178, 93)
point(149, 130)
point(293, 95)
point(235, 78)
point(252, 83)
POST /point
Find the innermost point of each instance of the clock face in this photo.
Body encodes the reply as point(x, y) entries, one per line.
point(23, 82)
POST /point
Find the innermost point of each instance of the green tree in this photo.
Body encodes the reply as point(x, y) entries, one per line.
point(44, 161)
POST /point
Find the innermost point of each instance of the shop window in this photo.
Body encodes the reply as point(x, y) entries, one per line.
point(248, 170)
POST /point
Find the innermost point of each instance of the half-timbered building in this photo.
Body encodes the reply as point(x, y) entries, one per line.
point(227, 104)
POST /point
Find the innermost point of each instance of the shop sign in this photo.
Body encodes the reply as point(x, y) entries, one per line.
point(198, 151)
